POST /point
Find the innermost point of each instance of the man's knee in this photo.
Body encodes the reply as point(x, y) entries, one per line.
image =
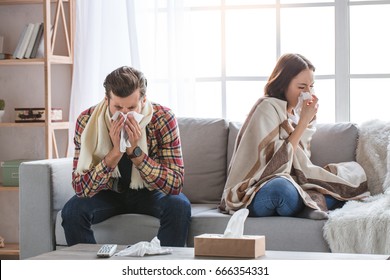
point(67, 210)
point(178, 204)
point(73, 208)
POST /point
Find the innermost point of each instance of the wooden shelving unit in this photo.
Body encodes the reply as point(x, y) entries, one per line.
point(11, 250)
point(62, 20)
point(51, 22)
point(56, 125)
point(9, 188)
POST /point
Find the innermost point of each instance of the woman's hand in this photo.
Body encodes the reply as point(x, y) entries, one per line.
point(309, 110)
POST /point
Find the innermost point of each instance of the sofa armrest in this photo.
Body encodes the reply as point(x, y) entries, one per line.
point(44, 187)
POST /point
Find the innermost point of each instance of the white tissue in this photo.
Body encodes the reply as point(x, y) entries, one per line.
point(124, 141)
point(303, 96)
point(144, 248)
point(138, 117)
point(235, 226)
point(298, 108)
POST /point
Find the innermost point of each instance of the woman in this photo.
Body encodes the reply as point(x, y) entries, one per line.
point(270, 172)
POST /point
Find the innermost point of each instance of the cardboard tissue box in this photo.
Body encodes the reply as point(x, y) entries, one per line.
point(232, 243)
point(248, 246)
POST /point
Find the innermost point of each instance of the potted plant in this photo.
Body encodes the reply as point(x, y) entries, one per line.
point(2, 105)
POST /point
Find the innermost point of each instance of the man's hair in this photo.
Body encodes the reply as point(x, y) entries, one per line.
point(287, 67)
point(124, 81)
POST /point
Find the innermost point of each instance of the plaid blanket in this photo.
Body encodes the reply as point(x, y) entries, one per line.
point(262, 151)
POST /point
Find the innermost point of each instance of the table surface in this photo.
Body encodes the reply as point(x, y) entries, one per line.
point(88, 252)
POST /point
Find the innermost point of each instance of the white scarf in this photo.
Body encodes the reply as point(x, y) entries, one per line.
point(96, 141)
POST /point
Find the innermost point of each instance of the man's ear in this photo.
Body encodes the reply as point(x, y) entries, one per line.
point(106, 101)
point(143, 100)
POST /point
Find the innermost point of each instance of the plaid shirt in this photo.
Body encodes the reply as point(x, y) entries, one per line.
point(162, 169)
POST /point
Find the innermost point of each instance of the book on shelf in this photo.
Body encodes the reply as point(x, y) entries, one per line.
point(41, 47)
point(26, 38)
point(21, 37)
point(31, 42)
point(37, 42)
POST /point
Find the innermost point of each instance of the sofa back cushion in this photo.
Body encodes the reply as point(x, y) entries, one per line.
point(204, 147)
point(234, 128)
point(333, 143)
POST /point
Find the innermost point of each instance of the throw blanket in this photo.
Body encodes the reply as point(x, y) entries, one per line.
point(373, 154)
point(262, 151)
point(364, 227)
point(96, 141)
point(361, 227)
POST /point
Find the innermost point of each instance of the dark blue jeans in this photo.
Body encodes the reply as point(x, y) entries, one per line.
point(280, 197)
point(174, 212)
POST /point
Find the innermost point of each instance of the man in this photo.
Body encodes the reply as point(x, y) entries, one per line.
point(127, 160)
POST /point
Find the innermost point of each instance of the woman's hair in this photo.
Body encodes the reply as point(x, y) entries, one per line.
point(124, 81)
point(287, 67)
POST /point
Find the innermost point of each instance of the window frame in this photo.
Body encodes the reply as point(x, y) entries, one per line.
point(342, 75)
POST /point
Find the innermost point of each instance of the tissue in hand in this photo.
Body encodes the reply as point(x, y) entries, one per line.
point(233, 243)
point(298, 108)
point(302, 97)
point(124, 141)
point(138, 117)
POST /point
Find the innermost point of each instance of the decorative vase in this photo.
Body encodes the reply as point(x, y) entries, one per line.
point(1, 115)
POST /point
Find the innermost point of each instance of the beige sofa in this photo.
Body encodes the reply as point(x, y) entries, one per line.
point(207, 145)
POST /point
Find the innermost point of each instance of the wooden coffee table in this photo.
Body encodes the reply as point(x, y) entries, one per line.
point(88, 252)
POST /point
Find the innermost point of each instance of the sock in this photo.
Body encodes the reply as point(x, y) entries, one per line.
point(313, 214)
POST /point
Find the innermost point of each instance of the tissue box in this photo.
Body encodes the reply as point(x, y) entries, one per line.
point(249, 246)
point(23, 115)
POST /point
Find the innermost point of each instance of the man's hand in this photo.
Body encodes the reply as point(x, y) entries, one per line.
point(115, 132)
point(114, 156)
point(133, 130)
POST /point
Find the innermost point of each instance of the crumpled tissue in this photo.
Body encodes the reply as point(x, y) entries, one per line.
point(144, 248)
point(124, 141)
point(298, 108)
point(235, 226)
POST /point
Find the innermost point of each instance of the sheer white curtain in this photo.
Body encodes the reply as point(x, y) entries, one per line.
point(148, 35)
point(162, 48)
point(100, 46)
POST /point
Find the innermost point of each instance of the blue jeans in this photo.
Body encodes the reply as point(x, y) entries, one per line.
point(174, 212)
point(279, 197)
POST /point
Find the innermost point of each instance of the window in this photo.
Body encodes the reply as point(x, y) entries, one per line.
point(370, 61)
point(236, 43)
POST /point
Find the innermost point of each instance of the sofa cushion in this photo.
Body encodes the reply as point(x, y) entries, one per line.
point(281, 233)
point(204, 147)
point(234, 128)
point(61, 176)
point(333, 143)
